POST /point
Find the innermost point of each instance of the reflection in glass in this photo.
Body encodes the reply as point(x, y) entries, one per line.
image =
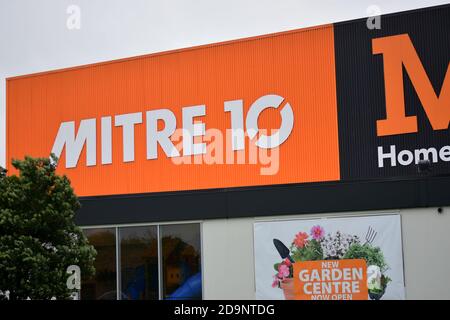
point(181, 261)
point(139, 263)
point(102, 286)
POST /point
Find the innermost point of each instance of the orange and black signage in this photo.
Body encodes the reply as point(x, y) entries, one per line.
point(338, 103)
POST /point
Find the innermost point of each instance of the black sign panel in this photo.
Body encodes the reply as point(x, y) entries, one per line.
point(361, 88)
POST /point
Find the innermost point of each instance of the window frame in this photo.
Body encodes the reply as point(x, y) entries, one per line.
point(158, 225)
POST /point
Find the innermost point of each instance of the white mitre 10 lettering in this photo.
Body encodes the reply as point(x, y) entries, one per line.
point(86, 136)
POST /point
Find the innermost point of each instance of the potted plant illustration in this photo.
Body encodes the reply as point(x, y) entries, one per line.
point(332, 246)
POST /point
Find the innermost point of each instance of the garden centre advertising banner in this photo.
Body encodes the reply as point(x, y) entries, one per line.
point(354, 258)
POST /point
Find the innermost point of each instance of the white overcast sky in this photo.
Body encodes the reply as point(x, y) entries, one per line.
point(34, 36)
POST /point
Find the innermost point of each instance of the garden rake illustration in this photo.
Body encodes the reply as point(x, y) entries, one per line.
point(370, 235)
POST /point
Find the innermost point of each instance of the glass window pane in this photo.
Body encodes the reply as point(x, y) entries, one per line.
point(139, 263)
point(181, 254)
point(102, 286)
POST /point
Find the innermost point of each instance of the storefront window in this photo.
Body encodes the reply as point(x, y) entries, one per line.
point(151, 268)
point(139, 263)
point(103, 285)
point(181, 265)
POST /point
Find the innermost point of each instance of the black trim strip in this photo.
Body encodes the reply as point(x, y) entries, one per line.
point(265, 201)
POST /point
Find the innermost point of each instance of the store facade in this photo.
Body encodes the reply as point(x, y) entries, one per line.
point(180, 157)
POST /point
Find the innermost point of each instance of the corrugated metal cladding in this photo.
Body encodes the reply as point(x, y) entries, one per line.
point(332, 76)
point(299, 66)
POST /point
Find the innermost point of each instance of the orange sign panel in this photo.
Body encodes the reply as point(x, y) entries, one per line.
point(331, 280)
point(149, 124)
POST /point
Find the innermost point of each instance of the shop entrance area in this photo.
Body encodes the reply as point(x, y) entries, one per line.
point(145, 263)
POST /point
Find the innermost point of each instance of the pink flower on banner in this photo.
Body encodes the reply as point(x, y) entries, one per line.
point(283, 271)
point(275, 282)
point(317, 232)
point(287, 262)
point(301, 239)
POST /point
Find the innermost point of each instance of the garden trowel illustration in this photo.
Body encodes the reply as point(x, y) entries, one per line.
point(282, 250)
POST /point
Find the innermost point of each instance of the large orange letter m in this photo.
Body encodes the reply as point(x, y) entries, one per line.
point(398, 51)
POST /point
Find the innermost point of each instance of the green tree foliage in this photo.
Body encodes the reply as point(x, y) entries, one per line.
point(38, 236)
